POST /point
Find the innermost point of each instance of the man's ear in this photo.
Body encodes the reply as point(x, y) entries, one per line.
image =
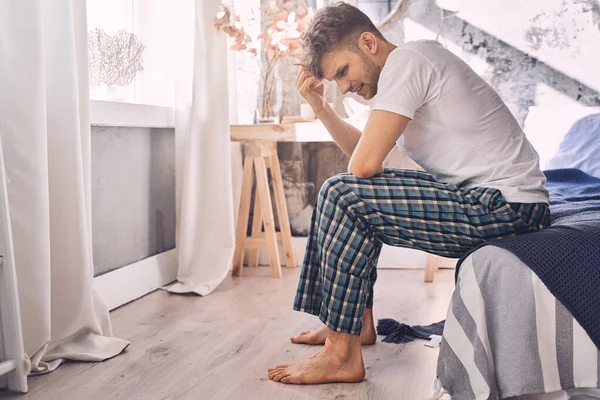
point(368, 42)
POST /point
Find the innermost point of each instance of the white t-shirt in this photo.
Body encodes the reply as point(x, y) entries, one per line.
point(460, 131)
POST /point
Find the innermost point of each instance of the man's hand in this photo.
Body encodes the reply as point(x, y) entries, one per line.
point(312, 89)
point(379, 137)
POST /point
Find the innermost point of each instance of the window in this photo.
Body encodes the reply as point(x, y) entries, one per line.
point(131, 62)
point(245, 77)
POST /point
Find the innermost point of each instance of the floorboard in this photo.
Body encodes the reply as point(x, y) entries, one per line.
point(220, 346)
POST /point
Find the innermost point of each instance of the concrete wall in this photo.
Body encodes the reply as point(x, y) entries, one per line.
point(133, 195)
point(531, 53)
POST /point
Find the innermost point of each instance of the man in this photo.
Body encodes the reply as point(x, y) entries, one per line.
point(483, 179)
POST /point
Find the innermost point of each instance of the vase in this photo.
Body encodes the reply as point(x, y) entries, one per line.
point(270, 99)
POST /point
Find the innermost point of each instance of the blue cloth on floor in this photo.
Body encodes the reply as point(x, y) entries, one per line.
point(397, 332)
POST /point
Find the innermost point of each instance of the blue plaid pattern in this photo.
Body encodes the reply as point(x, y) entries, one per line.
point(353, 217)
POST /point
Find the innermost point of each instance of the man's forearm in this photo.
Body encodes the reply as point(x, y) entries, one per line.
point(344, 134)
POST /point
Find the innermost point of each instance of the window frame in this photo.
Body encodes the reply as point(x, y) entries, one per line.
point(123, 114)
point(133, 112)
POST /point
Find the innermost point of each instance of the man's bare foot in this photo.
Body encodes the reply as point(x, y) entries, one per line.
point(339, 361)
point(368, 335)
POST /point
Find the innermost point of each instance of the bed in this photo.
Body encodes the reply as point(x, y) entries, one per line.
point(506, 334)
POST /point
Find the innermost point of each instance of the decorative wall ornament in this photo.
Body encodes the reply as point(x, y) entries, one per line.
point(114, 60)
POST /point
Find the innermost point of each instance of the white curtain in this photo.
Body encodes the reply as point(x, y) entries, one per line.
point(205, 217)
point(44, 122)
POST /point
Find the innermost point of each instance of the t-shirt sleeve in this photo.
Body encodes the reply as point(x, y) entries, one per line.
point(407, 82)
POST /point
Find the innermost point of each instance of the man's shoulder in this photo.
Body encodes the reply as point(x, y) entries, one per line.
point(423, 46)
point(430, 50)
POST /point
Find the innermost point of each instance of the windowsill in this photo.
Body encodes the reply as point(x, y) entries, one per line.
point(114, 113)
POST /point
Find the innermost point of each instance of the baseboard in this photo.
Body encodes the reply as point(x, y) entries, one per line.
point(135, 280)
point(390, 257)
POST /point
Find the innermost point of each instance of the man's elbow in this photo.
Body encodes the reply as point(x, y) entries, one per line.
point(365, 171)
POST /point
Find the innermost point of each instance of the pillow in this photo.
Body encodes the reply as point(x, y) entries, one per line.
point(546, 127)
point(580, 148)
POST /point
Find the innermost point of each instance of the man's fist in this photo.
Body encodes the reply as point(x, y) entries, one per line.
point(312, 89)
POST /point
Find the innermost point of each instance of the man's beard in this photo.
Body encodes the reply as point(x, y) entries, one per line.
point(372, 72)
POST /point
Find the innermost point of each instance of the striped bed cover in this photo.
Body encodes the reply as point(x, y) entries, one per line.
point(506, 335)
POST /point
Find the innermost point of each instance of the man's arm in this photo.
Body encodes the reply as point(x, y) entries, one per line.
point(344, 134)
point(313, 90)
point(379, 137)
point(368, 150)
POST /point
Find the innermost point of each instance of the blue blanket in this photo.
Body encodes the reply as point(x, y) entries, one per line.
point(566, 255)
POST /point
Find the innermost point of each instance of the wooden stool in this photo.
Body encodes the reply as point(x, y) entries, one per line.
point(432, 265)
point(260, 156)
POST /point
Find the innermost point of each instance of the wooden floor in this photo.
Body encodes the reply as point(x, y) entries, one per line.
point(220, 346)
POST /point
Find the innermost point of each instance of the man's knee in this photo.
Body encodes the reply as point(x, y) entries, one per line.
point(331, 187)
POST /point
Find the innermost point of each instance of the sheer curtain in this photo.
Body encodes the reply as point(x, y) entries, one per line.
point(205, 211)
point(44, 122)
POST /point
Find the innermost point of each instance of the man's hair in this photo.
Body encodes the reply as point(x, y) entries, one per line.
point(333, 27)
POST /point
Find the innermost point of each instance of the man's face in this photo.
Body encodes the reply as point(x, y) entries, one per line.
point(353, 71)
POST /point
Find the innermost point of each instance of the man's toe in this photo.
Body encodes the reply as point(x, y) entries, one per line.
point(281, 375)
point(290, 379)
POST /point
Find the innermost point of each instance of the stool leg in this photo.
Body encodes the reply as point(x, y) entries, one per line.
point(242, 225)
point(431, 265)
point(282, 212)
point(254, 254)
point(262, 188)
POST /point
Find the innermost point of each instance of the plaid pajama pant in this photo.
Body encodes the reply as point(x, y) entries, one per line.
point(354, 217)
